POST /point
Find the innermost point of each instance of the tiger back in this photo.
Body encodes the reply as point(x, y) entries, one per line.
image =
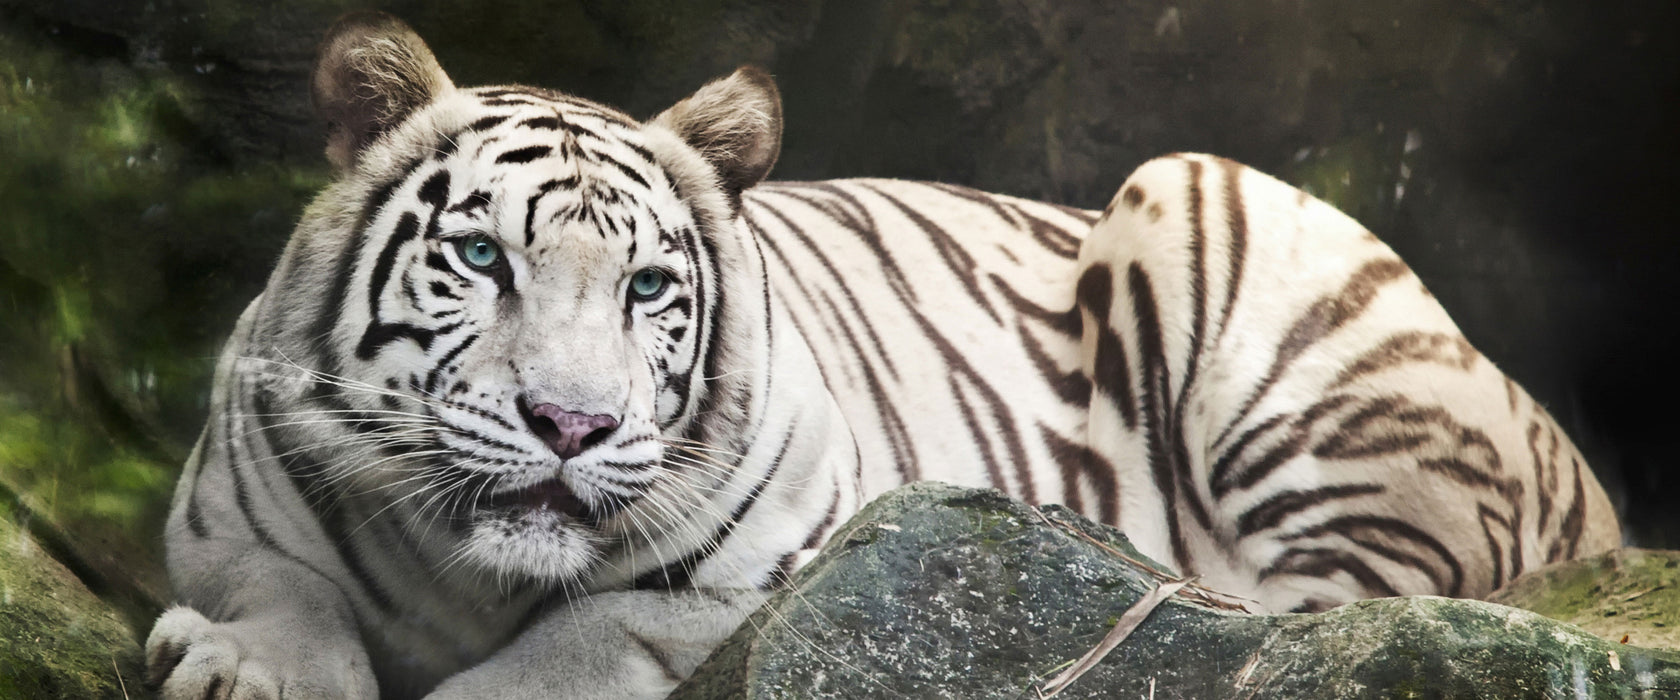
point(542, 401)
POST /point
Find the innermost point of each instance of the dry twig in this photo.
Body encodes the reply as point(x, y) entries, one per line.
point(1129, 621)
point(1203, 595)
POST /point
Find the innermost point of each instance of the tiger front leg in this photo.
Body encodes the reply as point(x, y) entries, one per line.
point(274, 629)
point(621, 645)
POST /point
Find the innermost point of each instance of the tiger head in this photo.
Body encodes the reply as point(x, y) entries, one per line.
point(513, 295)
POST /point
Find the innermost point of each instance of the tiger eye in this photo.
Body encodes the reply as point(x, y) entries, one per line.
point(648, 283)
point(479, 251)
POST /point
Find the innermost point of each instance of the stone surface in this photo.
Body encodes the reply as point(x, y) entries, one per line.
point(936, 591)
point(1631, 592)
point(57, 640)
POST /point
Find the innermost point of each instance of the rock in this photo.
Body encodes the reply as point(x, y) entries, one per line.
point(57, 640)
point(938, 591)
point(1630, 592)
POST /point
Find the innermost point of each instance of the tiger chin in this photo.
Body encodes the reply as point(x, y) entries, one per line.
point(542, 401)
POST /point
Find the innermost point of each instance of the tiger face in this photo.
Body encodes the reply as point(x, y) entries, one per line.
point(524, 296)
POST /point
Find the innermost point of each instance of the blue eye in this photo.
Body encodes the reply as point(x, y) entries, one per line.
point(648, 283)
point(479, 251)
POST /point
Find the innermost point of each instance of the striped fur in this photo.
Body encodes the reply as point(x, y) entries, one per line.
point(1248, 383)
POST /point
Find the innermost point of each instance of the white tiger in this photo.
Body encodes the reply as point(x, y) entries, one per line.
point(540, 401)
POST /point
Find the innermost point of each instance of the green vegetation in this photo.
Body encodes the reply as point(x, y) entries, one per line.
point(127, 248)
point(56, 639)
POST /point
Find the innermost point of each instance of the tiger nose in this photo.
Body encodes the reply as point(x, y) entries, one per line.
point(568, 433)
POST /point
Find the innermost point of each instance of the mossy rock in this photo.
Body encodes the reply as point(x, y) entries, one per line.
point(937, 591)
point(57, 640)
point(1631, 593)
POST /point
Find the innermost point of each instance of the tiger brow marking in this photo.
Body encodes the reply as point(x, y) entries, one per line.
point(531, 207)
point(548, 123)
point(378, 333)
point(478, 200)
point(524, 155)
point(483, 123)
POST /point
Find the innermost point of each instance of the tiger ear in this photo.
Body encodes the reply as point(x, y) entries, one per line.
point(736, 125)
point(372, 72)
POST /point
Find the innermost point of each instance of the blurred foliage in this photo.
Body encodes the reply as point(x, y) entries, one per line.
point(117, 284)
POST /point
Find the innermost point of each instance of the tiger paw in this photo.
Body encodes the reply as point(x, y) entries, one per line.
point(188, 656)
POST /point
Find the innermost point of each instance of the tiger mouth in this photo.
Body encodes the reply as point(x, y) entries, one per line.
point(550, 495)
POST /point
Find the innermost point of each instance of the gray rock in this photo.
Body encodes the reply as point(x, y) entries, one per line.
point(938, 591)
point(57, 640)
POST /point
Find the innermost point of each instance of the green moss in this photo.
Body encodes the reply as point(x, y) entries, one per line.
point(126, 251)
point(1631, 592)
point(56, 639)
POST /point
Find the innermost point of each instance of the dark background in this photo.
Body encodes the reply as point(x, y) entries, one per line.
point(1521, 155)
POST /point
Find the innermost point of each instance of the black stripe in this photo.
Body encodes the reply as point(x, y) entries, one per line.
point(1496, 552)
point(1079, 460)
point(677, 574)
point(242, 491)
point(1569, 532)
point(433, 376)
point(487, 122)
point(1359, 528)
point(1156, 412)
point(337, 532)
point(524, 155)
point(1291, 446)
point(1271, 512)
point(1236, 221)
point(957, 260)
point(660, 658)
point(542, 123)
point(860, 224)
point(822, 258)
point(1329, 313)
point(980, 438)
point(531, 205)
point(1220, 476)
point(379, 334)
point(627, 170)
point(338, 290)
point(1322, 563)
point(1111, 370)
point(195, 510)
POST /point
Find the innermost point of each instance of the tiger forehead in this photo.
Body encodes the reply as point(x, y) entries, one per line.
point(583, 128)
point(552, 160)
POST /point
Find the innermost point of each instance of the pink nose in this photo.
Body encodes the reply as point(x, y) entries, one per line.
point(568, 433)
